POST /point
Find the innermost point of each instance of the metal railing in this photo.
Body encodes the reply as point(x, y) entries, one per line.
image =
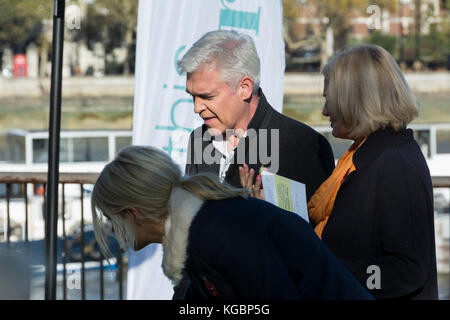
point(22, 182)
point(26, 183)
point(441, 182)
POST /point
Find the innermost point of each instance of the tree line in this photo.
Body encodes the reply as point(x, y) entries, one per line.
point(113, 24)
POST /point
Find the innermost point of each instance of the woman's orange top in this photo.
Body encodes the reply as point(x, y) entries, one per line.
point(321, 203)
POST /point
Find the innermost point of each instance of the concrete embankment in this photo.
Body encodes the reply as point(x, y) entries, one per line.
point(294, 84)
point(299, 84)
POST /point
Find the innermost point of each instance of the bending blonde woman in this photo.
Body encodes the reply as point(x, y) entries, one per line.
point(217, 242)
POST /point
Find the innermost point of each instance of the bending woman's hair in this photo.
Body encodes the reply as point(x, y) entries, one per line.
point(143, 178)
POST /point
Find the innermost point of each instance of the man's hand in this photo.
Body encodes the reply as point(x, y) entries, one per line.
point(247, 182)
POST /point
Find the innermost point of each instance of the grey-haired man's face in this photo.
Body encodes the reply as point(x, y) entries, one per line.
point(219, 106)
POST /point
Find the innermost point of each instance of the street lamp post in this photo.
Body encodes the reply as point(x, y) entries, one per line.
point(51, 215)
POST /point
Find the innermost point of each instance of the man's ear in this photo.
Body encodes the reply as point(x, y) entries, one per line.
point(245, 88)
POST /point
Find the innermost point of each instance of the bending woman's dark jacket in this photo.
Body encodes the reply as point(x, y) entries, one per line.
point(248, 249)
point(383, 216)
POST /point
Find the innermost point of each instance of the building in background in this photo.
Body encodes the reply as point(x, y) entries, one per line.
point(318, 29)
point(99, 39)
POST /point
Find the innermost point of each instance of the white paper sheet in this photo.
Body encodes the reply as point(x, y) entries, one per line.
point(285, 193)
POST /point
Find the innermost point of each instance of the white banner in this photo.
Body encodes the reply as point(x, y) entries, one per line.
point(163, 111)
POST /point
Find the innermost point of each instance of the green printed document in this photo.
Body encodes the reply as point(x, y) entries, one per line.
point(285, 193)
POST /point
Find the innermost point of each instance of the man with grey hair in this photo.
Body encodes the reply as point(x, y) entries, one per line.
point(241, 131)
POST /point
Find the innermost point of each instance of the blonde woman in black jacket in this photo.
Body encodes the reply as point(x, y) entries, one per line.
point(375, 212)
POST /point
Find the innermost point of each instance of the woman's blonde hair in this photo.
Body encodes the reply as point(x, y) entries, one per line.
point(367, 91)
point(143, 178)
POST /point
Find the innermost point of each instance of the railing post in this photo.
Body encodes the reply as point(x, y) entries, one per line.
point(64, 243)
point(51, 226)
point(82, 245)
point(25, 187)
point(120, 273)
point(8, 214)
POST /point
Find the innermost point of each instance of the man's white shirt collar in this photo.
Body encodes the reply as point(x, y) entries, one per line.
point(225, 160)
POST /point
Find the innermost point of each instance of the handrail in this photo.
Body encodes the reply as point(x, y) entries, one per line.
point(441, 182)
point(68, 242)
point(41, 177)
point(91, 178)
point(25, 178)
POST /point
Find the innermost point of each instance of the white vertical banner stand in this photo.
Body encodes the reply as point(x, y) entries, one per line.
point(163, 111)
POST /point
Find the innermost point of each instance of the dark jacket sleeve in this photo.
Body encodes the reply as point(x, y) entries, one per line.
point(190, 168)
point(403, 231)
point(317, 162)
point(305, 155)
point(326, 155)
